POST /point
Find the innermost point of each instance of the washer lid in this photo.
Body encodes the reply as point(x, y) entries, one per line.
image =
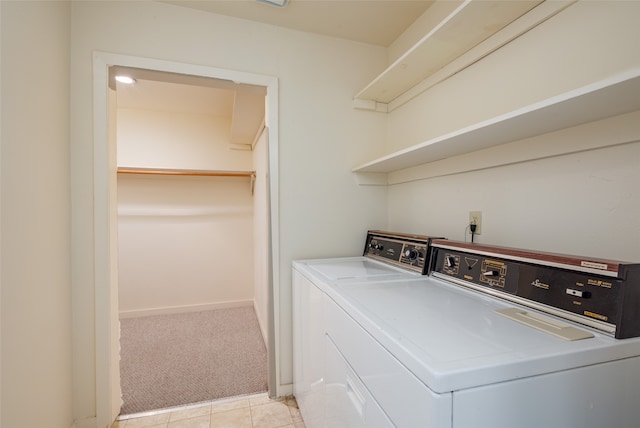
point(452, 338)
point(354, 269)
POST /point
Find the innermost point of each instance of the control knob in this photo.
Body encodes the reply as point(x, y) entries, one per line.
point(450, 261)
point(411, 254)
point(376, 246)
point(490, 273)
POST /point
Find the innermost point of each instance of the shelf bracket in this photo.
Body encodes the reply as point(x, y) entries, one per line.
point(371, 178)
point(370, 105)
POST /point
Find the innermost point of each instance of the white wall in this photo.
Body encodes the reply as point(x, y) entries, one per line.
point(169, 139)
point(320, 137)
point(185, 243)
point(584, 203)
point(36, 282)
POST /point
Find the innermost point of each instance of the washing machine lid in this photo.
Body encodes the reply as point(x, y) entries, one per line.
point(452, 338)
point(353, 269)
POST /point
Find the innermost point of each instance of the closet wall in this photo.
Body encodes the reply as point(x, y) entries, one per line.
point(185, 242)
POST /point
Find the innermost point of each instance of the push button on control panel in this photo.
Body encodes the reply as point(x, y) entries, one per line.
point(578, 293)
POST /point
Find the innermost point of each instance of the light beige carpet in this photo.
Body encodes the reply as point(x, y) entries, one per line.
point(178, 359)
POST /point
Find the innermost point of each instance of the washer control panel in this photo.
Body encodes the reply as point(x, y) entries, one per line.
point(590, 292)
point(410, 252)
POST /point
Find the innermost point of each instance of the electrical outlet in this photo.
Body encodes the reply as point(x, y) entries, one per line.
point(475, 217)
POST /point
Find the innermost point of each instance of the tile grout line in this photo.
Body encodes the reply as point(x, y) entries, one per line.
point(186, 407)
point(253, 402)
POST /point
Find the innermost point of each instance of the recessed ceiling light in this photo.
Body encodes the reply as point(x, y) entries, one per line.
point(127, 80)
point(277, 3)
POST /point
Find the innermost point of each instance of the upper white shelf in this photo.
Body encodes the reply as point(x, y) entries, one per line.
point(613, 96)
point(469, 24)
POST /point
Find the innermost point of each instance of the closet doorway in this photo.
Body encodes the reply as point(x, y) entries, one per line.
point(191, 239)
point(188, 187)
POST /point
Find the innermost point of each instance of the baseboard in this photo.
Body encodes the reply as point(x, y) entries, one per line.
point(186, 308)
point(285, 390)
point(261, 324)
point(85, 423)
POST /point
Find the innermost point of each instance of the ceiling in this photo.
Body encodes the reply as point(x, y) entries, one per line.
point(175, 98)
point(241, 106)
point(377, 22)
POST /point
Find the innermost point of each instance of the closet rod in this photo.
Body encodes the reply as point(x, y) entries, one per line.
point(190, 172)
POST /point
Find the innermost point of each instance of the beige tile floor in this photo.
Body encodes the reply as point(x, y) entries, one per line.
point(256, 411)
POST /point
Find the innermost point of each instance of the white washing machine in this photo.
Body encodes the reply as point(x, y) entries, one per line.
point(493, 337)
point(387, 258)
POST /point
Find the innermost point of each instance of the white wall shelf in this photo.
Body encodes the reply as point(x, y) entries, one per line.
point(469, 24)
point(616, 95)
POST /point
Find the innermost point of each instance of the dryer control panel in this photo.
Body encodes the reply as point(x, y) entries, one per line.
point(603, 294)
point(407, 251)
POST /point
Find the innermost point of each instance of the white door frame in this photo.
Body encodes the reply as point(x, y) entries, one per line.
point(105, 221)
